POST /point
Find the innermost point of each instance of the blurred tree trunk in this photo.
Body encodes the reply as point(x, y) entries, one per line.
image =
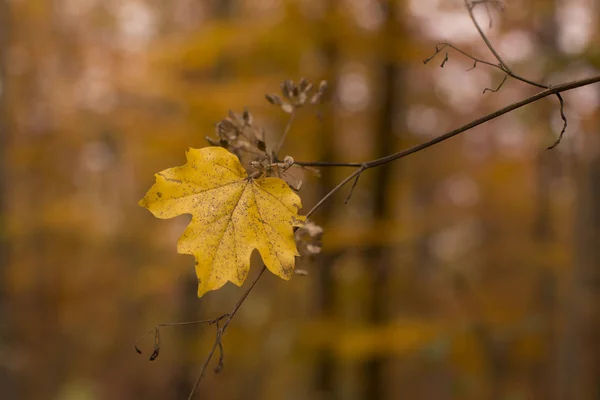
point(7, 380)
point(589, 283)
point(378, 256)
point(580, 349)
point(324, 298)
point(547, 168)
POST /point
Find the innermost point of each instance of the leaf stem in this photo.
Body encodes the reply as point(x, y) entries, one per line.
point(288, 126)
point(327, 164)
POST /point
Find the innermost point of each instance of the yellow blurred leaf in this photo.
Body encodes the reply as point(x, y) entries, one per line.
point(232, 214)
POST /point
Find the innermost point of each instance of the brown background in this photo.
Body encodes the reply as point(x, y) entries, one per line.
point(467, 271)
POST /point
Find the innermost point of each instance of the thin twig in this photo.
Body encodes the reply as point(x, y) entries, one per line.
point(499, 86)
point(352, 189)
point(285, 131)
point(221, 331)
point(470, 7)
point(501, 66)
point(555, 90)
point(219, 366)
point(498, 3)
point(564, 118)
point(327, 164)
point(335, 189)
point(444, 61)
point(354, 175)
point(504, 67)
point(157, 335)
point(441, 46)
point(401, 154)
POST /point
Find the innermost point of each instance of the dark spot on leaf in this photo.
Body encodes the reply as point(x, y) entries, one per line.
point(159, 194)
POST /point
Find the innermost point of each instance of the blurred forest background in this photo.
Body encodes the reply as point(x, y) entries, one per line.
point(470, 270)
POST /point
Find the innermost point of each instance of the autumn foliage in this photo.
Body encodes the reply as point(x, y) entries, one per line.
point(232, 214)
point(463, 267)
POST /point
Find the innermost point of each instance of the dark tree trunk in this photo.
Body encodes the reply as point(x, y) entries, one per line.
point(580, 351)
point(324, 296)
point(7, 382)
point(378, 256)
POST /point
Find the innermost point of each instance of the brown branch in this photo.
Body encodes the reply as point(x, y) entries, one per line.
point(218, 344)
point(503, 66)
point(401, 154)
point(288, 126)
point(376, 163)
point(362, 167)
point(327, 164)
point(352, 189)
point(221, 331)
point(441, 46)
point(470, 7)
point(156, 331)
point(564, 118)
point(499, 86)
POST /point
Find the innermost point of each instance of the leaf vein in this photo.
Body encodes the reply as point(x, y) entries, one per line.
point(227, 224)
point(262, 224)
point(276, 198)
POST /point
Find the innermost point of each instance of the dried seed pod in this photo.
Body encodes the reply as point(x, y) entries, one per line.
point(212, 141)
point(247, 117)
point(274, 99)
point(301, 98)
point(322, 87)
point(302, 84)
point(256, 165)
point(287, 88)
point(308, 238)
point(313, 248)
point(288, 108)
point(227, 129)
point(262, 146)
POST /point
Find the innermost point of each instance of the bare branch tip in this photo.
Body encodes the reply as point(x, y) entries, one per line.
point(499, 86)
point(565, 122)
point(445, 60)
point(154, 354)
point(219, 366)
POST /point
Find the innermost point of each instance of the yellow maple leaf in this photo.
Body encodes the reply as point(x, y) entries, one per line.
point(232, 214)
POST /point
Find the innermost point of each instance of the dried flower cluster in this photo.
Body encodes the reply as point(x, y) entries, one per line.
point(236, 133)
point(308, 238)
point(297, 94)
